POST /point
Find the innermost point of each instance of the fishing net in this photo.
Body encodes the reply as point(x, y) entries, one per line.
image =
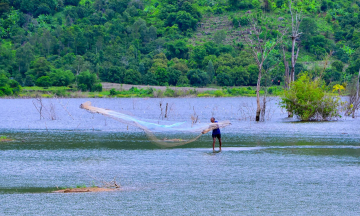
point(162, 133)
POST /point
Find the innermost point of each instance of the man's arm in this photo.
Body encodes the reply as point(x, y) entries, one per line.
point(212, 126)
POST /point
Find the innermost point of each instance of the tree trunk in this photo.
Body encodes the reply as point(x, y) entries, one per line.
point(357, 86)
point(263, 109)
point(356, 101)
point(293, 59)
point(286, 64)
point(258, 108)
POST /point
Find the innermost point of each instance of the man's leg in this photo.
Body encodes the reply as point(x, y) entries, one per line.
point(220, 143)
point(214, 140)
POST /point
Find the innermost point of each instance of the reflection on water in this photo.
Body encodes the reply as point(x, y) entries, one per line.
point(276, 167)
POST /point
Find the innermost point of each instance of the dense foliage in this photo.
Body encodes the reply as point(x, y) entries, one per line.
point(8, 87)
point(308, 101)
point(159, 42)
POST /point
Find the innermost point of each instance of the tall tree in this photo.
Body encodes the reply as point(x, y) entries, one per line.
point(261, 44)
point(211, 70)
point(24, 55)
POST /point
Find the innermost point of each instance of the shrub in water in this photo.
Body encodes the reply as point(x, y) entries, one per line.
point(307, 100)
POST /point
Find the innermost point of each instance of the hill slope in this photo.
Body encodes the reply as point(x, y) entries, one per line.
point(183, 43)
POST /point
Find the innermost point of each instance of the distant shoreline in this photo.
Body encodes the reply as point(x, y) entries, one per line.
point(115, 90)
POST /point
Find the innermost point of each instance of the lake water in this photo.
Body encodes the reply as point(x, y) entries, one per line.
point(276, 167)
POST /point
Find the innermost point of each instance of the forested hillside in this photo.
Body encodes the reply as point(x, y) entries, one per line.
point(164, 42)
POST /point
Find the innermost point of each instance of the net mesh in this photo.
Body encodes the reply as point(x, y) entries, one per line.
point(162, 133)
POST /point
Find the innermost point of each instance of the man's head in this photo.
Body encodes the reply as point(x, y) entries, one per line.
point(212, 119)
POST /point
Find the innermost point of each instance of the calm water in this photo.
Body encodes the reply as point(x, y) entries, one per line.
point(277, 167)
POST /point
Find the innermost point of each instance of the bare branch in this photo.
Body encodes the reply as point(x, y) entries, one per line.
point(260, 50)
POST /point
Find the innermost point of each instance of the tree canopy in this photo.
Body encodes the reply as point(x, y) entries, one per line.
point(196, 43)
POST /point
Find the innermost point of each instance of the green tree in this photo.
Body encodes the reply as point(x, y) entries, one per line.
point(224, 79)
point(173, 76)
point(183, 81)
point(198, 77)
point(199, 54)
point(253, 74)
point(132, 77)
point(177, 49)
point(240, 76)
point(338, 65)
point(29, 80)
point(150, 79)
point(162, 76)
point(40, 67)
point(43, 81)
point(210, 71)
point(61, 78)
point(24, 56)
point(307, 100)
point(86, 81)
point(7, 56)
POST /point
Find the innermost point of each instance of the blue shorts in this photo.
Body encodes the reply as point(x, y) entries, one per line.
point(216, 136)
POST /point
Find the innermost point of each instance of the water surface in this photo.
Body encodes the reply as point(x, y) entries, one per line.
point(276, 167)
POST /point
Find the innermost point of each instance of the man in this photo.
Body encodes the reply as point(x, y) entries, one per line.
point(216, 134)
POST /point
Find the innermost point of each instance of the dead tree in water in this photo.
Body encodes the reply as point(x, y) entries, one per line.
point(287, 74)
point(354, 100)
point(295, 35)
point(357, 101)
point(40, 106)
point(260, 48)
point(267, 83)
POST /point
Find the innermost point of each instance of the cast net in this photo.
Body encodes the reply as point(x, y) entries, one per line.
point(162, 133)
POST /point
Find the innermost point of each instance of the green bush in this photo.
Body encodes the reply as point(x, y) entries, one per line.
point(113, 92)
point(43, 81)
point(150, 91)
point(8, 86)
point(97, 87)
point(82, 87)
point(307, 100)
point(29, 80)
point(15, 87)
point(169, 92)
point(198, 77)
point(218, 93)
point(274, 90)
point(60, 93)
point(61, 78)
point(5, 90)
point(87, 81)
